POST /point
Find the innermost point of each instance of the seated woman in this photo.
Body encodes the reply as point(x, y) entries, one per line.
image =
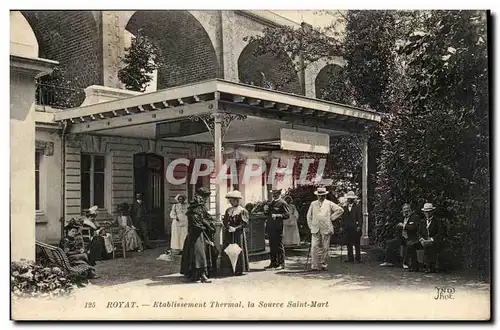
point(291, 237)
point(235, 220)
point(101, 245)
point(132, 240)
point(72, 245)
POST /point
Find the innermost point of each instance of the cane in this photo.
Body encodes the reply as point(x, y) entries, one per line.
point(341, 244)
point(309, 253)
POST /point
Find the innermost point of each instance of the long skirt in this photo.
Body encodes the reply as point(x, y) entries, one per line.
point(291, 235)
point(78, 259)
point(97, 250)
point(197, 257)
point(243, 262)
point(132, 240)
point(178, 235)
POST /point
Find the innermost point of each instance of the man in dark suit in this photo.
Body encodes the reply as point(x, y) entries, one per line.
point(407, 237)
point(276, 212)
point(432, 233)
point(351, 225)
point(139, 219)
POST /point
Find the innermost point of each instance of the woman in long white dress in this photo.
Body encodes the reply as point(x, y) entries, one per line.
point(179, 224)
point(291, 237)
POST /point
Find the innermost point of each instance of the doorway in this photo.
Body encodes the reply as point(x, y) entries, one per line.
point(149, 178)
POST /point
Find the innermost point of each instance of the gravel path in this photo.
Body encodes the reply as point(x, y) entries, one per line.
point(154, 290)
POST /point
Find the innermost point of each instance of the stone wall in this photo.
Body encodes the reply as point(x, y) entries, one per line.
point(73, 38)
point(187, 54)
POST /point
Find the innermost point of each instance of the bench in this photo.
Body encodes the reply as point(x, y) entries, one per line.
point(56, 256)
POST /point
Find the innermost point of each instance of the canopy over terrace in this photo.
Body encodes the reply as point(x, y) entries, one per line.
point(219, 108)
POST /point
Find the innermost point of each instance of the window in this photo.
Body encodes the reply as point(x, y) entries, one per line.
point(92, 180)
point(38, 156)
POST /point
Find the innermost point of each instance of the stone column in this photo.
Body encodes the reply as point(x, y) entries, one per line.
point(23, 73)
point(113, 32)
point(229, 43)
point(364, 185)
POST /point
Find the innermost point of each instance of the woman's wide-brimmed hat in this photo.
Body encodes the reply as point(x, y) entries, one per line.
point(202, 191)
point(321, 191)
point(123, 206)
point(350, 195)
point(72, 224)
point(428, 207)
point(234, 194)
point(93, 210)
point(179, 196)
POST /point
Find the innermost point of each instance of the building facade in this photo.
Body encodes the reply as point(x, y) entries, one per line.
point(73, 171)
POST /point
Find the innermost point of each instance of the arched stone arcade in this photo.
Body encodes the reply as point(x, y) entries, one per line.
point(268, 70)
point(186, 51)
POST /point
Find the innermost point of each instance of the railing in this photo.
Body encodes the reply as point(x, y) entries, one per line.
point(59, 97)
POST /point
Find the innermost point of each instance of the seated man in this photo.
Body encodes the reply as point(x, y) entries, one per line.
point(432, 233)
point(407, 237)
point(72, 245)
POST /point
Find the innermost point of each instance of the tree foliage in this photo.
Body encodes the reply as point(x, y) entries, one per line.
point(59, 90)
point(435, 143)
point(140, 61)
point(428, 72)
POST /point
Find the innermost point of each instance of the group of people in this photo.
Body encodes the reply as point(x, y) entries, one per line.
point(199, 253)
point(413, 234)
point(321, 217)
point(99, 245)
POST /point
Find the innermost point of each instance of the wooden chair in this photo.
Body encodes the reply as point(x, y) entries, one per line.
point(56, 256)
point(118, 240)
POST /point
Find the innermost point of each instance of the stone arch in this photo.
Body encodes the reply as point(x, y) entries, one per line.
point(331, 76)
point(186, 49)
point(22, 38)
point(70, 37)
point(279, 71)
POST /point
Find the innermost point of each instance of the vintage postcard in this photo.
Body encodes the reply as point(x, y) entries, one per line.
point(250, 165)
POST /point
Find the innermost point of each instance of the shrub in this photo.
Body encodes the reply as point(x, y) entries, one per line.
point(29, 279)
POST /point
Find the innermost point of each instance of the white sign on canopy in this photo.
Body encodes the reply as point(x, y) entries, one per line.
point(305, 141)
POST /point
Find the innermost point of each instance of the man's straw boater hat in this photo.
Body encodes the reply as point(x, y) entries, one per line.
point(428, 207)
point(321, 191)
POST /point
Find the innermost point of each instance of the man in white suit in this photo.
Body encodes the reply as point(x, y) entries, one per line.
point(320, 217)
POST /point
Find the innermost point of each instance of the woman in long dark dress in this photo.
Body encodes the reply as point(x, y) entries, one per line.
point(197, 257)
point(235, 220)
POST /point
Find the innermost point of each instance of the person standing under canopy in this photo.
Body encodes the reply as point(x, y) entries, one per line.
point(291, 235)
point(235, 220)
point(179, 224)
point(277, 211)
point(198, 257)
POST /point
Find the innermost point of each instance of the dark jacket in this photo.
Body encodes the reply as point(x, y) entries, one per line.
point(353, 219)
point(436, 230)
point(281, 209)
point(138, 212)
point(413, 227)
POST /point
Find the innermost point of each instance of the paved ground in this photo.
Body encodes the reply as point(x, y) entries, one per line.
point(346, 291)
